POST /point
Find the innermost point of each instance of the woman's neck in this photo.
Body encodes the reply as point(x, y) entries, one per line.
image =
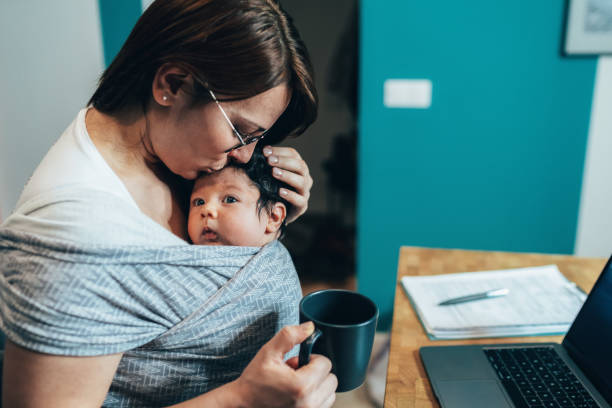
point(123, 142)
point(124, 134)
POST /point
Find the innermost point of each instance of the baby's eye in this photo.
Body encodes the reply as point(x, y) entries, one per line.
point(198, 202)
point(230, 200)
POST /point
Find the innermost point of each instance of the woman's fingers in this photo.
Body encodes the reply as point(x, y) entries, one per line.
point(317, 368)
point(297, 200)
point(268, 381)
point(287, 338)
point(299, 183)
point(329, 402)
point(297, 177)
point(325, 395)
point(289, 167)
point(289, 159)
point(319, 381)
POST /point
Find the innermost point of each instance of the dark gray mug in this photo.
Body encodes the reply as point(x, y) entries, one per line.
point(345, 323)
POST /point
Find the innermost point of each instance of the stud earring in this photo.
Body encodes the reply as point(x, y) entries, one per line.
point(165, 98)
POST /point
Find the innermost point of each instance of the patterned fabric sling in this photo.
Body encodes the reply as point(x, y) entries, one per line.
point(187, 318)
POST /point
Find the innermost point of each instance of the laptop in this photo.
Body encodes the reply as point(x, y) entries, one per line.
point(576, 373)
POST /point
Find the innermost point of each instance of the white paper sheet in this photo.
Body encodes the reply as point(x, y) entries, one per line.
point(541, 301)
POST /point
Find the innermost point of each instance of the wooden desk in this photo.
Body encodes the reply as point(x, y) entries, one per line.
point(407, 383)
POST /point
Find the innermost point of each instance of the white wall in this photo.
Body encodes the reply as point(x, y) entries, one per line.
point(51, 58)
point(594, 235)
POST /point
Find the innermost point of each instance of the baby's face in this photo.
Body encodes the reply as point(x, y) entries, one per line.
point(223, 211)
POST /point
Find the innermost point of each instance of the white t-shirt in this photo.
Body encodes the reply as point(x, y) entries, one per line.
point(75, 195)
point(74, 160)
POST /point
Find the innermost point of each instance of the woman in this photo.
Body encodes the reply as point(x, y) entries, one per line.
point(102, 300)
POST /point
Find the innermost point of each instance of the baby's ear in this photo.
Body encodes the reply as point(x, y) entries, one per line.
point(276, 217)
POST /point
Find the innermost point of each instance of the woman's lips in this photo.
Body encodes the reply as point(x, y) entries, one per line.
point(211, 170)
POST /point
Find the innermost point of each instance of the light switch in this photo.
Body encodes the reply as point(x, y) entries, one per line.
point(407, 93)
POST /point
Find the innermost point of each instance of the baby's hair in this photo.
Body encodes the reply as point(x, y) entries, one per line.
point(260, 173)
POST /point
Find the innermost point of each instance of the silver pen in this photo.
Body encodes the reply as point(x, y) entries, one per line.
point(476, 296)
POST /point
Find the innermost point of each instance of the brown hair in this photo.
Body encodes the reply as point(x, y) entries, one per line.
point(238, 48)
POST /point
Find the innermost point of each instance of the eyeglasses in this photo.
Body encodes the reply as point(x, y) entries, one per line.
point(244, 139)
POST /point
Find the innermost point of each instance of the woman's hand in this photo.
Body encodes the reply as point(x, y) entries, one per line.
point(289, 167)
point(269, 381)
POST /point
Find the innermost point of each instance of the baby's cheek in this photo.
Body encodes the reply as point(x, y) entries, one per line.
point(191, 228)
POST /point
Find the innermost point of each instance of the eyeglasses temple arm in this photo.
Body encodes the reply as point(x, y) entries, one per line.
point(226, 117)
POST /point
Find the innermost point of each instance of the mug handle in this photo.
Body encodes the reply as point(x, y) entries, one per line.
point(306, 347)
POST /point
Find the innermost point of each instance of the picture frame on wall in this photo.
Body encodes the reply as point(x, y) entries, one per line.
point(589, 27)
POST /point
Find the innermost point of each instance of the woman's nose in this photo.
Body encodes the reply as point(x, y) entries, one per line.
point(242, 154)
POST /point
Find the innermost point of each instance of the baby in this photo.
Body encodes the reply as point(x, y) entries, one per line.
point(238, 205)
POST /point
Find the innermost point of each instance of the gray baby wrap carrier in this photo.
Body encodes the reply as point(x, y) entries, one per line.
point(187, 318)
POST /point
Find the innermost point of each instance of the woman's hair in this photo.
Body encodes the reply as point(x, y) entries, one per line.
point(260, 173)
point(238, 48)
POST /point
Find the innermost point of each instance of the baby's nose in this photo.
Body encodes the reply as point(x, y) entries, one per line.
point(209, 210)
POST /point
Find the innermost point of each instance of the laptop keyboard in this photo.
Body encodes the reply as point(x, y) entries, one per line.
point(537, 377)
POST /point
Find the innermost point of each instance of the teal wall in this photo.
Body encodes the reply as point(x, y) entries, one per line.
point(496, 162)
point(117, 19)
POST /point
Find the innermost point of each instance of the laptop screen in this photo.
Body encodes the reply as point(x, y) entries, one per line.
point(589, 340)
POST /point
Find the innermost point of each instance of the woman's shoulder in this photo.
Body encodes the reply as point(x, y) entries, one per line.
point(74, 195)
point(73, 160)
point(81, 213)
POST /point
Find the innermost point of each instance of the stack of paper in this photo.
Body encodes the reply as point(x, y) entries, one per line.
point(540, 301)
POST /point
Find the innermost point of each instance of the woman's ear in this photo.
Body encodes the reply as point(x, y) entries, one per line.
point(276, 218)
point(167, 82)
